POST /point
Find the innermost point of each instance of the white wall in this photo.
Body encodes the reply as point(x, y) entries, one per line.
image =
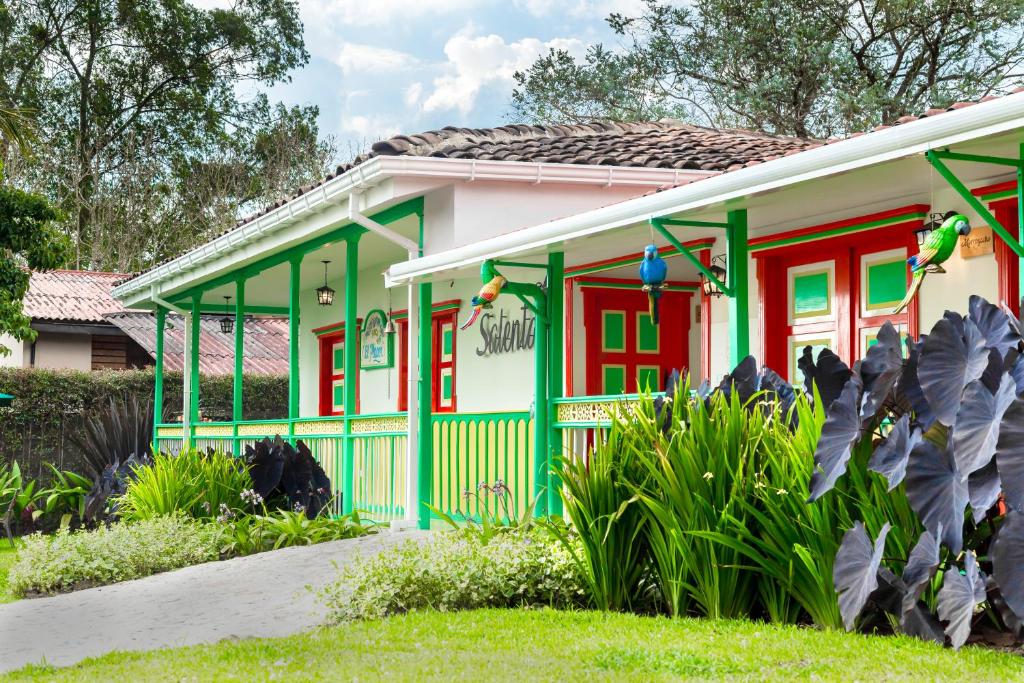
point(68, 351)
point(16, 358)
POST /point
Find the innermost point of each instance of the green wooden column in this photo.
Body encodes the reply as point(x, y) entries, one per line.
point(424, 428)
point(294, 272)
point(236, 397)
point(158, 373)
point(556, 350)
point(351, 364)
point(739, 302)
point(541, 407)
point(193, 360)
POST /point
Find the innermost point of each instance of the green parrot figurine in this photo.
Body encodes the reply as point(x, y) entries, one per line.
point(936, 249)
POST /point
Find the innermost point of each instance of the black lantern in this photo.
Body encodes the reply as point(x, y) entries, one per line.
point(227, 323)
point(325, 295)
point(934, 221)
point(709, 286)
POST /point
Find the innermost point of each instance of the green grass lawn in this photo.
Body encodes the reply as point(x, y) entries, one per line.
point(549, 645)
point(7, 555)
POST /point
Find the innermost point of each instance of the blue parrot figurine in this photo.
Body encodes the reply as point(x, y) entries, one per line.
point(653, 271)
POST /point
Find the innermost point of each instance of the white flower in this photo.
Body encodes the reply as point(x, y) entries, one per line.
point(709, 476)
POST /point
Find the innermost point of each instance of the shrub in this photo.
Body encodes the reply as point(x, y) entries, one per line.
point(196, 484)
point(248, 534)
point(455, 571)
point(71, 560)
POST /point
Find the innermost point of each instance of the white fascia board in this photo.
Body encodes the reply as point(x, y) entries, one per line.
point(301, 215)
point(949, 128)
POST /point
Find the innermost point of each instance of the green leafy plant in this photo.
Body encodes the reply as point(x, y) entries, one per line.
point(242, 534)
point(71, 560)
point(497, 517)
point(17, 494)
point(453, 571)
point(66, 495)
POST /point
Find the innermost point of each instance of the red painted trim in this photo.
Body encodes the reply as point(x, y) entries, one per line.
point(616, 260)
point(834, 225)
point(579, 279)
point(1007, 262)
point(569, 323)
point(435, 364)
point(326, 378)
point(705, 323)
point(333, 327)
point(992, 189)
point(436, 305)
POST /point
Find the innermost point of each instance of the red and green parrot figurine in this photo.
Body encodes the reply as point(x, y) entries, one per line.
point(937, 248)
point(494, 282)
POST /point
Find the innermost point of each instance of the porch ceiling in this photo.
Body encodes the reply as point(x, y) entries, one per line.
point(849, 186)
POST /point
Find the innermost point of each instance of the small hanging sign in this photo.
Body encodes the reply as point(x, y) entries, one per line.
point(977, 242)
point(505, 333)
point(376, 347)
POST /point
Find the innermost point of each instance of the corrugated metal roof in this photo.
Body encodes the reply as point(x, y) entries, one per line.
point(72, 295)
point(266, 342)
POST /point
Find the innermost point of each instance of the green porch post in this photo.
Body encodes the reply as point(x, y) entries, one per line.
point(739, 302)
point(542, 462)
point(193, 364)
point(351, 364)
point(424, 427)
point(236, 397)
point(556, 327)
point(294, 313)
point(158, 374)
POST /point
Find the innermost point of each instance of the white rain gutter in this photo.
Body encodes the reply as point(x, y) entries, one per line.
point(378, 169)
point(988, 118)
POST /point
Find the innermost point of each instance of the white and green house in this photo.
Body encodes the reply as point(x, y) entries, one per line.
point(773, 244)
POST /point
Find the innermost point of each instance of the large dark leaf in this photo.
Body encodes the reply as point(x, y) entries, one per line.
point(1008, 561)
point(983, 487)
point(908, 387)
point(960, 594)
point(830, 374)
point(265, 465)
point(916, 621)
point(855, 572)
point(663, 404)
point(880, 369)
point(743, 380)
point(1016, 370)
point(977, 423)
point(890, 458)
point(777, 390)
point(921, 565)
point(1010, 454)
point(949, 361)
point(937, 492)
point(994, 324)
point(840, 431)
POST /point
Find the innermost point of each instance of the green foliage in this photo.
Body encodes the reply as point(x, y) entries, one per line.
point(194, 484)
point(248, 534)
point(70, 560)
point(498, 512)
point(781, 66)
point(454, 571)
point(49, 405)
point(710, 505)
point(66, 495)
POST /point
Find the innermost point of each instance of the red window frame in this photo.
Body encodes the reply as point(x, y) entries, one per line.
point(327, 374)
point(437, 365)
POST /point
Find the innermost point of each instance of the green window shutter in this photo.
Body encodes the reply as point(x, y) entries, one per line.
point(812, 295)
point(648, 378)
point(613, 331)
point(647, 334)
point(339, 358)
point(446, 341)
point(339, 394)
point(446, 386)
point(614, 379)
point(887, 283)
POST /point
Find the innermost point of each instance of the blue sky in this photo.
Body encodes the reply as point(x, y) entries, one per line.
point(380, 67)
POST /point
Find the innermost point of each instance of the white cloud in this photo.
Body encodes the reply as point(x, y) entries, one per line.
point(582, 8)
point(369, 128)
point(368, 58)
point(478, 61)
point(413, 94)
point(379, 12)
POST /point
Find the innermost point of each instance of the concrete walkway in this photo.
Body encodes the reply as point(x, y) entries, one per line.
point(256, 596)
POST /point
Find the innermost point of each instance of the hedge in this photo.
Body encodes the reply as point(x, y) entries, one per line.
point(50, 403)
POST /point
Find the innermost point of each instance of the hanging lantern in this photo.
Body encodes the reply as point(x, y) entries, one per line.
point(933, 222)
point(709, 286)
point(227, 323)
point(325, 295)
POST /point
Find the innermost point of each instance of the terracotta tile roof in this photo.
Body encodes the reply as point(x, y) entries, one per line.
point(266, 342)
point(72, 296)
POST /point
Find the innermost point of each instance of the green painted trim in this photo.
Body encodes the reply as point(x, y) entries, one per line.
point(520, 264)
point(975, 203)
point(215, 309)
point(158, 370)
point(193, 363)
point(845, 230)
point(351, 365)
point(390, 342)
point(236, 399)
point(437, 308)
point(739, 303)
point(632, 260)
point(425, 433)
point(556, 375)
point(294, 314)
point(978, 158)
point(657, 223)
point(632, 285)
point(683, 223)
point(604, 398)
point(1005, 194)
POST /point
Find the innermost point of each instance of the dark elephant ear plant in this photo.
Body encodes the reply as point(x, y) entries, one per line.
point(945, 422)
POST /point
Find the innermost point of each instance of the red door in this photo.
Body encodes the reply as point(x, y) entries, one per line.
point(332, 374)
point(626, 352)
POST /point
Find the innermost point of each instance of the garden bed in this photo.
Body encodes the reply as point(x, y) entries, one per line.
point(551, 645)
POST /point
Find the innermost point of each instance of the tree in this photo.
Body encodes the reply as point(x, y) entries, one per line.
point(791, 67)
point(110, 79)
